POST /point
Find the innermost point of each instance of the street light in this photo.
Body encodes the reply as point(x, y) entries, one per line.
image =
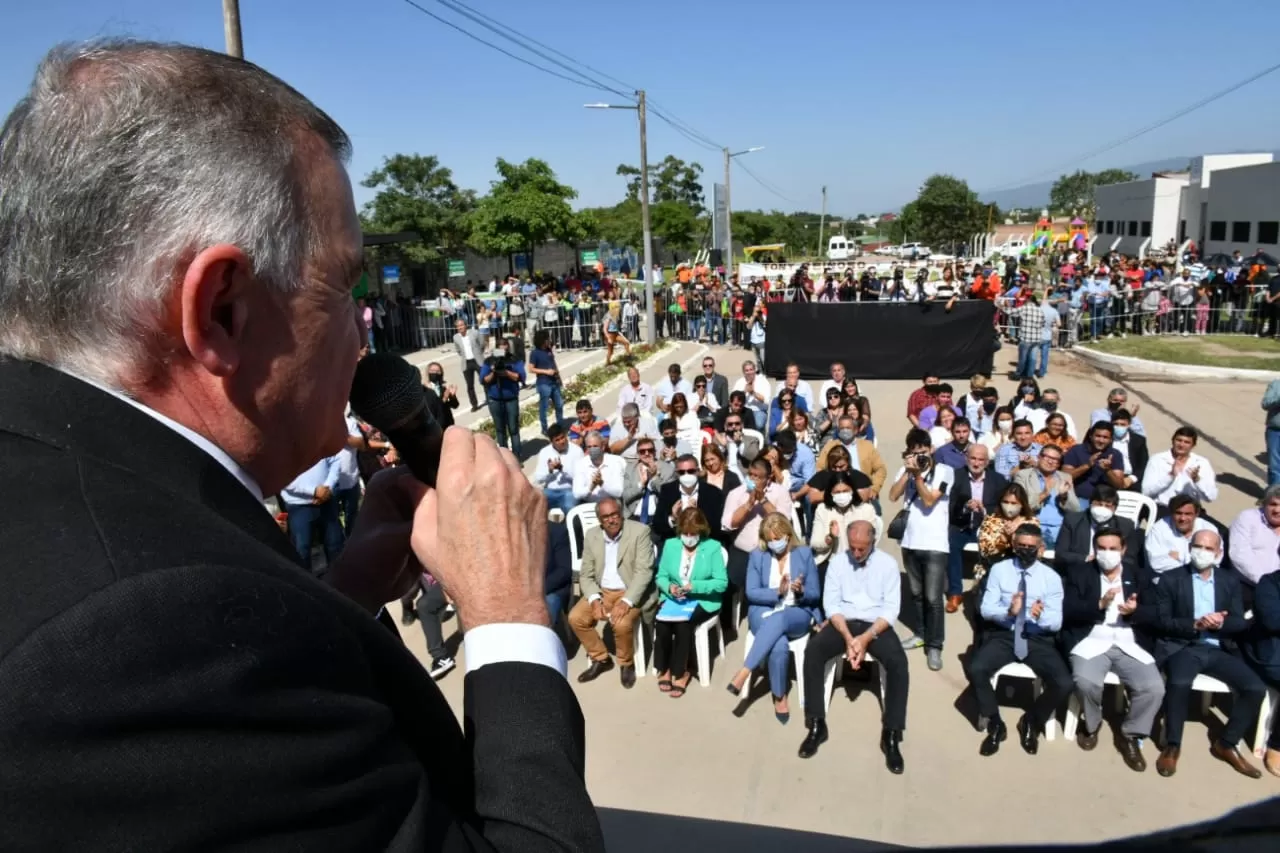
point(728, 210)
point(645, 273)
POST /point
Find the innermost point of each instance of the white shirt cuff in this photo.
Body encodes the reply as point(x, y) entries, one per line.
point(591, 599)
point(507, 642)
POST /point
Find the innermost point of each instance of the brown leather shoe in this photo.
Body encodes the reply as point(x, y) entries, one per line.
point(1271, 761)
point(1086, 740)
point(1131, 752)
point(954, 602)
point(595, 670)
point(1167, 763)
point(1238, 762)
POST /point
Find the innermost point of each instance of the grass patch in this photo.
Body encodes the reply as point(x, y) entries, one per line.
point(585, 383)
point(1239, 351)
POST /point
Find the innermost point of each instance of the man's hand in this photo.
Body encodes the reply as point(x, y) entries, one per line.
point(597, 610)
point(1212, 622)
point(1105, 464)
point(1129, 605)
point(323, 493)
point(1015, 604)
point(1194, 474)
point(1037, 608)
point(597, 479)
point(974, 505)
point(855, 650)
point(867, 494)
point(619, 612)
point(482, 532)
point(1106, 599)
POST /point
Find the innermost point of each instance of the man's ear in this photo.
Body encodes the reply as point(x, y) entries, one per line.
point(214, 307)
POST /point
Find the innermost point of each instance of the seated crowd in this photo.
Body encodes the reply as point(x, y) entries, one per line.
point(771, 502)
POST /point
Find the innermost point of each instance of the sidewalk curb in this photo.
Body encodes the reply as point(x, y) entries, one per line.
point(1130, 366)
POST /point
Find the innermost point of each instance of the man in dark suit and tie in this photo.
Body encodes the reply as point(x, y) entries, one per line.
point(975, 496)
point(1198, 614)
point(687, 490)
point(179, 340)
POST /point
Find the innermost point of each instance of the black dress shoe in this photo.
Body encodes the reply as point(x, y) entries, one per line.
point(595, 670)
point(1132, 754)
point(996, 733)
point(889, 743)
point(1086, 740)
point(408, 615)
point(1028, 735)
point(816, 737)
point(627, 674)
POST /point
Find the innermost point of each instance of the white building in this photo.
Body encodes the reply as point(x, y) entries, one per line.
point(1224, 203)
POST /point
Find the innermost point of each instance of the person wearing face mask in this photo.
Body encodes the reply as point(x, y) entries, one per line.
point(923, 397)
point(863, 456)
point(448, 394)
point(972, 402)
point(1028, 399)
point(600, 475)
point(1001, 432)
point(687, 491)
point(1022, 611)
point(983, 419)
point(1169, 538)
point(995, 536)
point(1117, 399)
point(1132, 448)
point(554, 472)
point(1200, 612)
point(691, 571)
point(1047, 407)
point(1103, 632)
point(744, 509)
point(740, 450)
point(840, 506)
point(784, 592)
point(1074, 545)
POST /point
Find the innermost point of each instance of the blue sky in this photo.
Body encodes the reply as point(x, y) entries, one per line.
point(868, 99)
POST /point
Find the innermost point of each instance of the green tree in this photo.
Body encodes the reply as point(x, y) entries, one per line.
point(416, 193)
point(1073, 194)
point(948, 211)
point(670, 180)
point(677, 225)
point(619, 225)
point(905, 227)
point(525, 207)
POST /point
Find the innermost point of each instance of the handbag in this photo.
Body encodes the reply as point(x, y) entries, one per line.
point(898, 527)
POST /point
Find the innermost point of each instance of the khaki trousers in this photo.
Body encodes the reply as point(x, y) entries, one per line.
point(584, 626)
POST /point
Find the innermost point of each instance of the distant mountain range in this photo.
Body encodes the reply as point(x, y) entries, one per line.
point(1037, 195)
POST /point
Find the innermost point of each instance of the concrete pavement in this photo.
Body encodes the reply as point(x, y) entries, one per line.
point(695, 758)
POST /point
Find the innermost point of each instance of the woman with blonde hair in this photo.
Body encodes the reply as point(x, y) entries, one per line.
point(612, 330)
point(784, 594)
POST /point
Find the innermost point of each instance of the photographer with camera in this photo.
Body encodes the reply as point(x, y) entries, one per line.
point(502, 377)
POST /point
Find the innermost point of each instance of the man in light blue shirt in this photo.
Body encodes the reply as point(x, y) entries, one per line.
point(801, 462)
point(1021, 611)
point(861, 597)
point(1118, 399)
point(1019, 453)
point(309, 502)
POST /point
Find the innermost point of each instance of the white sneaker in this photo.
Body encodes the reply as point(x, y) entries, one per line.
point(440, 666)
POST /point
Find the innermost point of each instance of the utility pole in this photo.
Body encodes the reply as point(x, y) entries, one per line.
point(651, 332)
point(822, 220)
point(231, 28)
point(728, 215)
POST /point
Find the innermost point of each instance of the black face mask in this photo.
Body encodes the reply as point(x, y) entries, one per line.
point(435, 378)
point(1026, 555)
point(1049, 405)
point(989, 406)
point(669, 440)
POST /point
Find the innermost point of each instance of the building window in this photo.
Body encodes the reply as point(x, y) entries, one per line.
point(1182, 230)
point(1269, 233)
point(1146, 228)
point(1133, 228)
point(1110, 226)
point(1218, 230)
point(1097, 227)
point(1240, 231)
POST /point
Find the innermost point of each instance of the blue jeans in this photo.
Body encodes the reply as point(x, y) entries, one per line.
point(555, 606)
point(712, 323)
point(695, 327)
point(771, 640)
point(1099, 319)
point(1026, 359)
point(549, 396)
point(348, 500)
point(561, 499)
point(1273, 456)
point(1044, 358)
point(955, 559)
point(506, 423)
point(303, 519)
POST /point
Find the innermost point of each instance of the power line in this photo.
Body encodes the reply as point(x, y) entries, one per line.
point(687, 134)
point(762, 182)
point(520, 59)
point(1145, 130)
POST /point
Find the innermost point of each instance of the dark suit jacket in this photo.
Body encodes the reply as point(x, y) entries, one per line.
point(559, 559)
point(1263, 648)
point(710, 501)
point(1082, 589)
point(1176, 607)
point(1075, 542)
point(718, 387)
point(1138, 457)
point(174, 680)
point(962, 492)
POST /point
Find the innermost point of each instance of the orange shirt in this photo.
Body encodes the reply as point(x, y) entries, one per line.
point(985, 288)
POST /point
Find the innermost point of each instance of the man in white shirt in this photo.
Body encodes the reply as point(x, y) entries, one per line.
point(469, 346)
point(756, 387)
point(796, 384)
point(599, 475)
point(1101, 597)
point(669, 387)
point(1169, 539)
point(557, 463)
point(836, 381)
point(629, 426)
point(1179, 471)
point(637, 392)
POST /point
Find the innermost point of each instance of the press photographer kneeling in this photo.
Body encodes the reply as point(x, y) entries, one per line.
point(502, 376)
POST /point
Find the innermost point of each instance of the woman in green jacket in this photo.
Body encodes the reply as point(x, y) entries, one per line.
point(691, 570)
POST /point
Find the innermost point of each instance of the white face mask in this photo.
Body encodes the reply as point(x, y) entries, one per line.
point(1101, 514)
point(1108, 560)
point(1203, 558)
point(777, 546)
point(1011, 510)
point(1004, 426)
point(842, 499)
point(690, 540)
point(688, 481)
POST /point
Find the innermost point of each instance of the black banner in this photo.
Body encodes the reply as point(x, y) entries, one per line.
point(881, 340)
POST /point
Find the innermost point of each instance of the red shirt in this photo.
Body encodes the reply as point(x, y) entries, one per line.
point(920, 400)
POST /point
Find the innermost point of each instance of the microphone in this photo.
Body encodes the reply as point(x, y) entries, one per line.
point(387, 394)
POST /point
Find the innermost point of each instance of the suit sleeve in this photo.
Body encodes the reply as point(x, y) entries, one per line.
point(1078, 606)
point(641, 566)
point(660, 521)
point(1234, 622)
point(232, 709)
point(757, 592)
point(559, 558)
point(1168, 622)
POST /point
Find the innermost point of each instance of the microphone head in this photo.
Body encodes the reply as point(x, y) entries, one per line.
point(386, 391)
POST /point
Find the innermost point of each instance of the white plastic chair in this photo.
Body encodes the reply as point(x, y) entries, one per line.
point(758, 436)
point(585, 516)
point(797, 651)
point(1270, 707)
point(836, 665)
point(1021, 670)
point(1131, 505)
point(1207, 686)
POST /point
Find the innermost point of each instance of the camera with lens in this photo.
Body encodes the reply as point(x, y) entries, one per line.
point(500, 362)
point(923, 460)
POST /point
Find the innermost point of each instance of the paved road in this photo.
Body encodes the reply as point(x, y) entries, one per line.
point(694, 758)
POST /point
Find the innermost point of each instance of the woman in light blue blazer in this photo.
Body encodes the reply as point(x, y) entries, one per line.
point(784, 593)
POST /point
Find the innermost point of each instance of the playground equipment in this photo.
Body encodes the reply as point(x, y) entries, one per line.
point(1042, 237)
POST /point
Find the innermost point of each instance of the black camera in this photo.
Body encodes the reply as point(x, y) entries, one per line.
point(923, 460)
point(500, 362)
